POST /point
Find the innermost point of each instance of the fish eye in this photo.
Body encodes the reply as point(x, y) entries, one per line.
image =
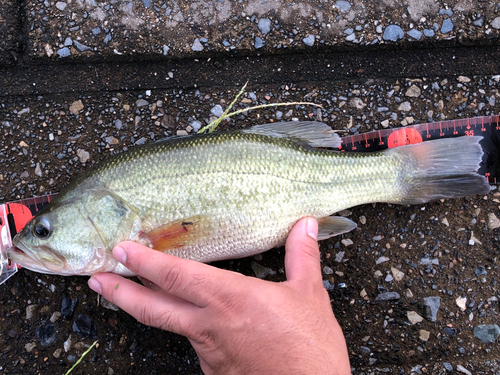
point(41, 228)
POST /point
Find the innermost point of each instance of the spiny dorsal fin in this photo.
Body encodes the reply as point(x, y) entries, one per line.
point(333, 226)
point(312, 133)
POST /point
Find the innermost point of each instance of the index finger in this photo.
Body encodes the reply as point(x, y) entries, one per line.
point(195, 282)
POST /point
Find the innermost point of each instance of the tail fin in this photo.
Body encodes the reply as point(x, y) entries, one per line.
point(443, 168)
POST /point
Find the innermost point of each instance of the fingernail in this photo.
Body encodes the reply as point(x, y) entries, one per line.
point(312, 228)
point(119, 254)
point(94, 285)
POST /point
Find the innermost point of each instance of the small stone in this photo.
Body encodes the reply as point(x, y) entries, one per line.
point(393, 33)
point(448, 367)
point(431, 307)
point(112, 140)
point(388, 278)
point(481, 271)
point(487, 333)
point(64, 52)
point(328, 286)
point(261, 271)
point(415, 34)
point(339, 256)
point(197, 46)
point(140, 103)
point(362, 220)
point(46, 334)
point(76, 107)
point(347, 242)
point(413, 317)
point(404, 107)
point(68, 306)
point(327, 270)
point(258, 43)
point(343, 6)
point(264, 25)
point(363, 293)
point(462, 303)
point(67, 344)
point(496, 23)
point(83, 155)
point(463, 79)
point(424, 335)
point(378, 274)
point(357, 103)
point(413, 91)
point(108, 305)
point(445, 222)
point(309, 40)
point(493, 221)
point(84, 326)
point(196, 125)
point(38, 170)
point(71, 358)
point(55, 317)
point(81, 47)
point(447, 26)
point(57, 353)
point(450, 331)
point(429, 33)
point(385, 123)
point(387, 296)
point(409, 293)
point(217, 111)
point(398, 275)
point(61, 5)
point(30, 346)
point(382, 259)
point(463, 370)
point(30, 310)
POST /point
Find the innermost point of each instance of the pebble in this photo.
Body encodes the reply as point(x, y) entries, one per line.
point(448, 367)
point(57, 353)
point(387, 296)
point(493, 221)
point(64, 52)
point(463, 370)
point(328, 286)
point(141, 103)
point(196, 125)
point(46, 334)
point(382, 259)
point(67, 344)
point(496, 23)
point(217, 111)
point(388, 278)
point(461, 303)
point(413, 91)
point(431, 307)
point(38, 170)
point(327, 270)
point(84, 326)
point(424, 335)
point(261, 271)
point(450, 331)
point(55, 316)
point(108, 305)
point(30, 310)
point(30, 346)
point(393, 33)
point(258, 43)
point(343, 6)
point(347, 242)
point(415, 34)
point(68, 306)
point(429, 33)
point(76, 107)
point(447, 26)
point(413, 317)
point(197, 46)
point(339, 256)
point(61, 5)
point(362, 220)
point(397, 274)
point(83, 155)
point(264, 25)
point(81, 47)
point(480, 271)
point(405, 107)
point(309, 40)
point(112, 140)
point(487, 333)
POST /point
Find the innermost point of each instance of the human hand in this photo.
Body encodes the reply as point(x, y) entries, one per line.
point(237, 324)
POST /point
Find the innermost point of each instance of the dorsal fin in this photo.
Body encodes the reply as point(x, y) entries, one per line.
point(312, 133)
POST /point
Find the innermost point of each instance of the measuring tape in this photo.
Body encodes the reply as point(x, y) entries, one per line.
point(15, 215)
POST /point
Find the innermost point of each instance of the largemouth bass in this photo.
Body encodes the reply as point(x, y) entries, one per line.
point(235, 194)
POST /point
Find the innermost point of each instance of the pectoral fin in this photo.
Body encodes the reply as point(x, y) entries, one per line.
point(333, 226)
point(178, 233)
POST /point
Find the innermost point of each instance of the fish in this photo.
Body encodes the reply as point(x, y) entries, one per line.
point(234, 194)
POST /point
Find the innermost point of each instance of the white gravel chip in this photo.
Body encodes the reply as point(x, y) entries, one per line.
point(413, 317)
point(461, 303)
point(83, 155)
point(493, 221)
point(463, 370)
point(397, 274)
point(76, 107)
point(413, 91)
point(382, 259)
point(347, 242)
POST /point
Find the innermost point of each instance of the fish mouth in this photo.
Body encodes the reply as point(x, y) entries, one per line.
point(22, 256)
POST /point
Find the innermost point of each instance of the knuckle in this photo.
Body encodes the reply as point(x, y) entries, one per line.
point(171, 277)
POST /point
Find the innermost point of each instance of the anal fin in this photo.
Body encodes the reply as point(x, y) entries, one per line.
point(333, 226)
point(178, 233)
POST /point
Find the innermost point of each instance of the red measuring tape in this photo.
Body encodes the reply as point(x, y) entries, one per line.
point(14, 215)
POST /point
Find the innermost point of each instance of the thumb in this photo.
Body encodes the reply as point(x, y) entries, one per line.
point(302, 263)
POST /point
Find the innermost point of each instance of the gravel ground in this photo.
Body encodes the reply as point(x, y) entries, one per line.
point(445, 249)
point(412, 286)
